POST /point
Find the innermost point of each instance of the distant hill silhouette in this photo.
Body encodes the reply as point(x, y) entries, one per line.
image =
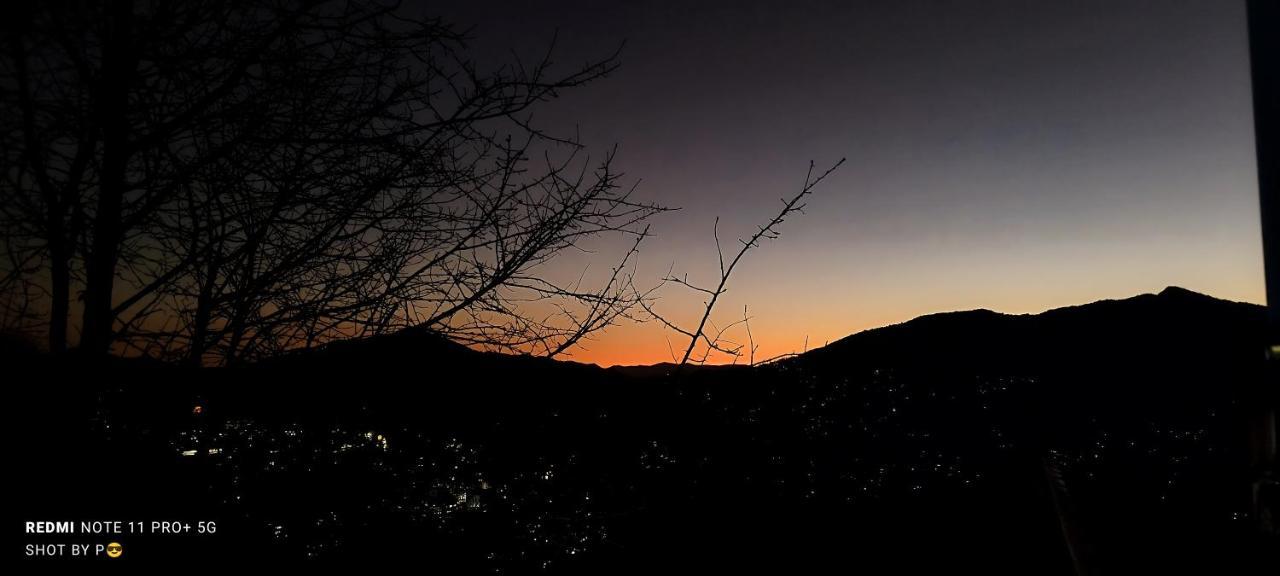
point(925, 445)
point(1174, 320)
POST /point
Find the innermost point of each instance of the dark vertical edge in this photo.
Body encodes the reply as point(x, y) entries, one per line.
point(1264, 26)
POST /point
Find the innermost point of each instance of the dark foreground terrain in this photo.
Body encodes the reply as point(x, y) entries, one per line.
point(1109, 435)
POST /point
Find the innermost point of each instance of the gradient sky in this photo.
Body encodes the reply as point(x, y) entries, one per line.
point(1010, 155)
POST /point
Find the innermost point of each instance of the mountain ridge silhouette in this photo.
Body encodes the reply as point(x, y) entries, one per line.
point(422, 344)
point(932, 434)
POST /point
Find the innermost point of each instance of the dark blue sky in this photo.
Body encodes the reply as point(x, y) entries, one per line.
point(1012, 155)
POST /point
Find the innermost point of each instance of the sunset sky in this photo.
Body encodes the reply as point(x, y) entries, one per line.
point(1009, 155)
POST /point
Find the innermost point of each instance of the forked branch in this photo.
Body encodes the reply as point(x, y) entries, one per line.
point(769, 231)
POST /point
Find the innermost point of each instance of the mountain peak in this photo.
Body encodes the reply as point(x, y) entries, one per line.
point(1178, 292)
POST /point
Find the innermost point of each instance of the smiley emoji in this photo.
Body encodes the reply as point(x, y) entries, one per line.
point(114, 550)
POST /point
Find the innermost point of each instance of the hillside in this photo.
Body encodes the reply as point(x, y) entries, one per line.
point(936, 435)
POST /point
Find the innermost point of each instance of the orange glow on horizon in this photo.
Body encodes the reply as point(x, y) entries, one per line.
point(645, 344)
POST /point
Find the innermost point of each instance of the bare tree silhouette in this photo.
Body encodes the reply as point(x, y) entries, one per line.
point(223, 181)
point(706, 334)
